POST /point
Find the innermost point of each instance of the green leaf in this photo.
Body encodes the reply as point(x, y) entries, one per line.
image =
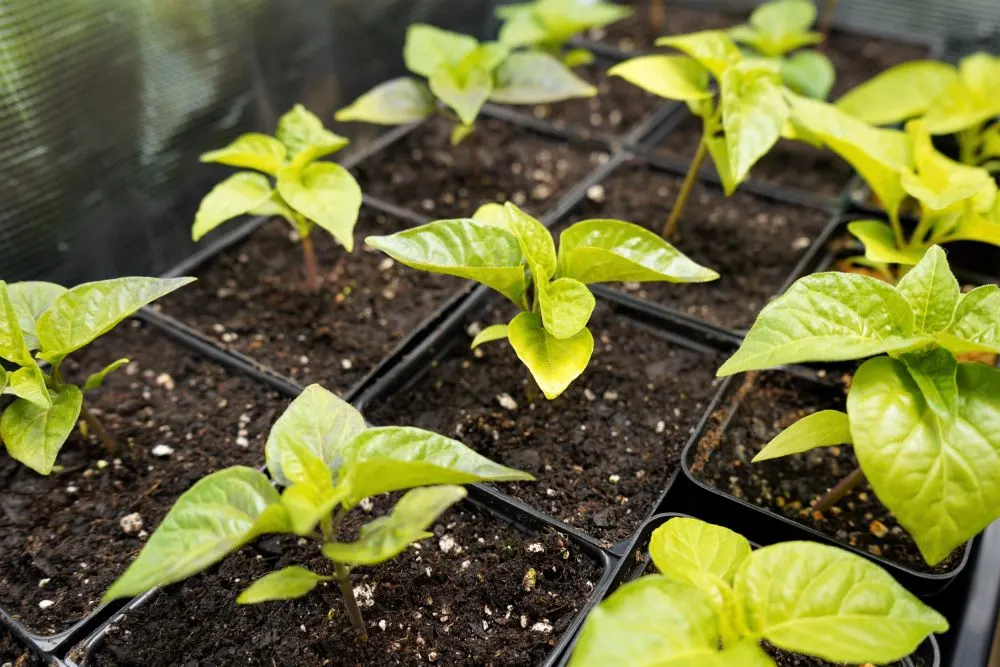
point(392, 458)
point(522, 29)
point(487, 57)
point(566, 18)
point(219, 514)
point(936, 476)
point(935, 371)
point(714, 49)
point(970, 100)
point(90, 310)
point(932, 291)
point(327, 194)
point(531, 77)
point(566, 305)
point(34, 435)
point(977, 321)
point(578, 58)
point(30, 299)
point(395, 102)
point(753, 113)
point(939, 182)
point(237, 195)
point(287, 583)
point(901, 92)
point(783, 26)
point(29, 383)
point(688, 550)
point(536, 241)
point(827, 317)
point(671, 77)
point(318, 421)
point(826, 428)
point(464, 92)
point(428, 48)
point(822, 601)
point(718, 148)
point(489, 334)
point(810, 73)
point(554, 363)
point(387, 536)
point(597, 251)
point(303, 134)
point(880, 243)
point(12, 341)
point(251, 151)
point(306, 504)
point(460, 133)
point(95, 380)
point(463, 248)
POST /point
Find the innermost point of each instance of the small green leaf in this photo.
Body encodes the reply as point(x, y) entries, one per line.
point(395, 102)
point(687, 549)
point(303, 134)
point(237, 195)
point(899, 93)
point(598, 251)
point(13, 346)
point(487, 57)
point(306, 504)
point(714, 49)
point(287, 583)
point(327, 194)
point(251, 151)
point(536, 241)
point(970, 100)
point(30, 299)
point(522, 29)
point(428, 48)
point(938, 182)
point(464, 92)
point(387, 536)
point(530, 77)
point(935, 372)
point(29, 383)
point(34, 435)
point(932, 291)
point(578, 58)
point(460, 133)
point(822, 601)
point(718, 148)
point(95, 380)
point(566, 305)
point(880, 243)
point(671, 77)
point(489, 334)
point(976, 321)
point(554, 363)
point(753, 114)
point(785, 23)
point(219, 514)
point(825, 428)
point(810, 73)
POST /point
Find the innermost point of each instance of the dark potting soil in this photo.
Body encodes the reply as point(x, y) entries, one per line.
point(785, 659)
point(791, 484)
point(602, 452)
point(479, 592)
point(251, 299)
point(752, 242)
point(14, 654)
point(62, 540)
point(425, 173)
point(635, 32)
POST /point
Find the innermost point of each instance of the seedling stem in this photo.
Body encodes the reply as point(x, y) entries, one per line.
point(312, 270)
point(689, 180)
point(842, 488)
point(343, 576)
point(109, 443)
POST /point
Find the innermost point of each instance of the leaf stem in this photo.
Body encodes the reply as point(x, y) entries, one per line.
point(312, 269)
point(897, 231)
point(842, 488)
point(655, 18)
point(689, 180)
point(109, 443)
point(342, 574)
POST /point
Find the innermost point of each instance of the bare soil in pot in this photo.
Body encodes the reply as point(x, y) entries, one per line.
point(753, 243)
point(791, 484)
point(786, 659)
point(602, 452)
point(176, 418)
point(251, 298)
point(479, 592)
point(423, 172)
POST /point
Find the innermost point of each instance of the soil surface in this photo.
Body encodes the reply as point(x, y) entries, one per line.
point(479, 592)
point(61, 538)
point(252, 299)
point(786, 659)
point(602, 452)
point(425, 173)
point(791, 484)
point(14, 654)
point(752, 242)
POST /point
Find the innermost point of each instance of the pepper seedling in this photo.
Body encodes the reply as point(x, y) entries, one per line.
point(45, 322)
point(462, 75)
point(549, 25)
point(513, 253)
point(327, 461)
point(715, 599)
point(741, 122)
point(306, 192)
point(925, 428)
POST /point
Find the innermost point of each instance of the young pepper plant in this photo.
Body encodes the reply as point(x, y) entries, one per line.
point(742, 121)
point(549, 25)
point(306, 192)
point(924, 427)
point(45, 322)
point(513, 253)
point(327, 461)
point(462, 75)
point(715, 599)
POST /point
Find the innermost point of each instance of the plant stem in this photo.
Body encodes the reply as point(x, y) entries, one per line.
point(843, 487)
point(897, 231)
point(312, 269)
point(109, 443)
point(473, 155)
point(655, 18)
point(686, 187)
point(826, 23)
point(343, 576)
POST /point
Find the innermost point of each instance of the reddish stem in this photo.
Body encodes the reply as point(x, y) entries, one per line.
point(312, 269)
point(843, 487)
point(109, 443)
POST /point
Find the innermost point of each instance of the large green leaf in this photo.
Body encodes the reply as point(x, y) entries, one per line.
point(937, 476)
point(30, 299)
point(286, 584)
point(566, 305)
point(753, 114)
point(714, 49)
point(237, 195)
point(810, 73)
point(698, 553)
point(970, 100)
point(553, 362)
point(318, 421)
point(397, 101)
point(671, 77)
point(303, 134)
point(822, 601)
point(531, 77)
point(463, 248)
point(92, 309)
point(464, 92)
point(880, 243)
point(428, 48)
point(597, 251)
point(901, 92)
point(391, 458)
point(932, 291)
point(213, 518)
point(327, 194)
point(976, 322)
point(34, 435)
point(825, 428)
point(387, 536)
point(251, 151)
point(827, 317)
